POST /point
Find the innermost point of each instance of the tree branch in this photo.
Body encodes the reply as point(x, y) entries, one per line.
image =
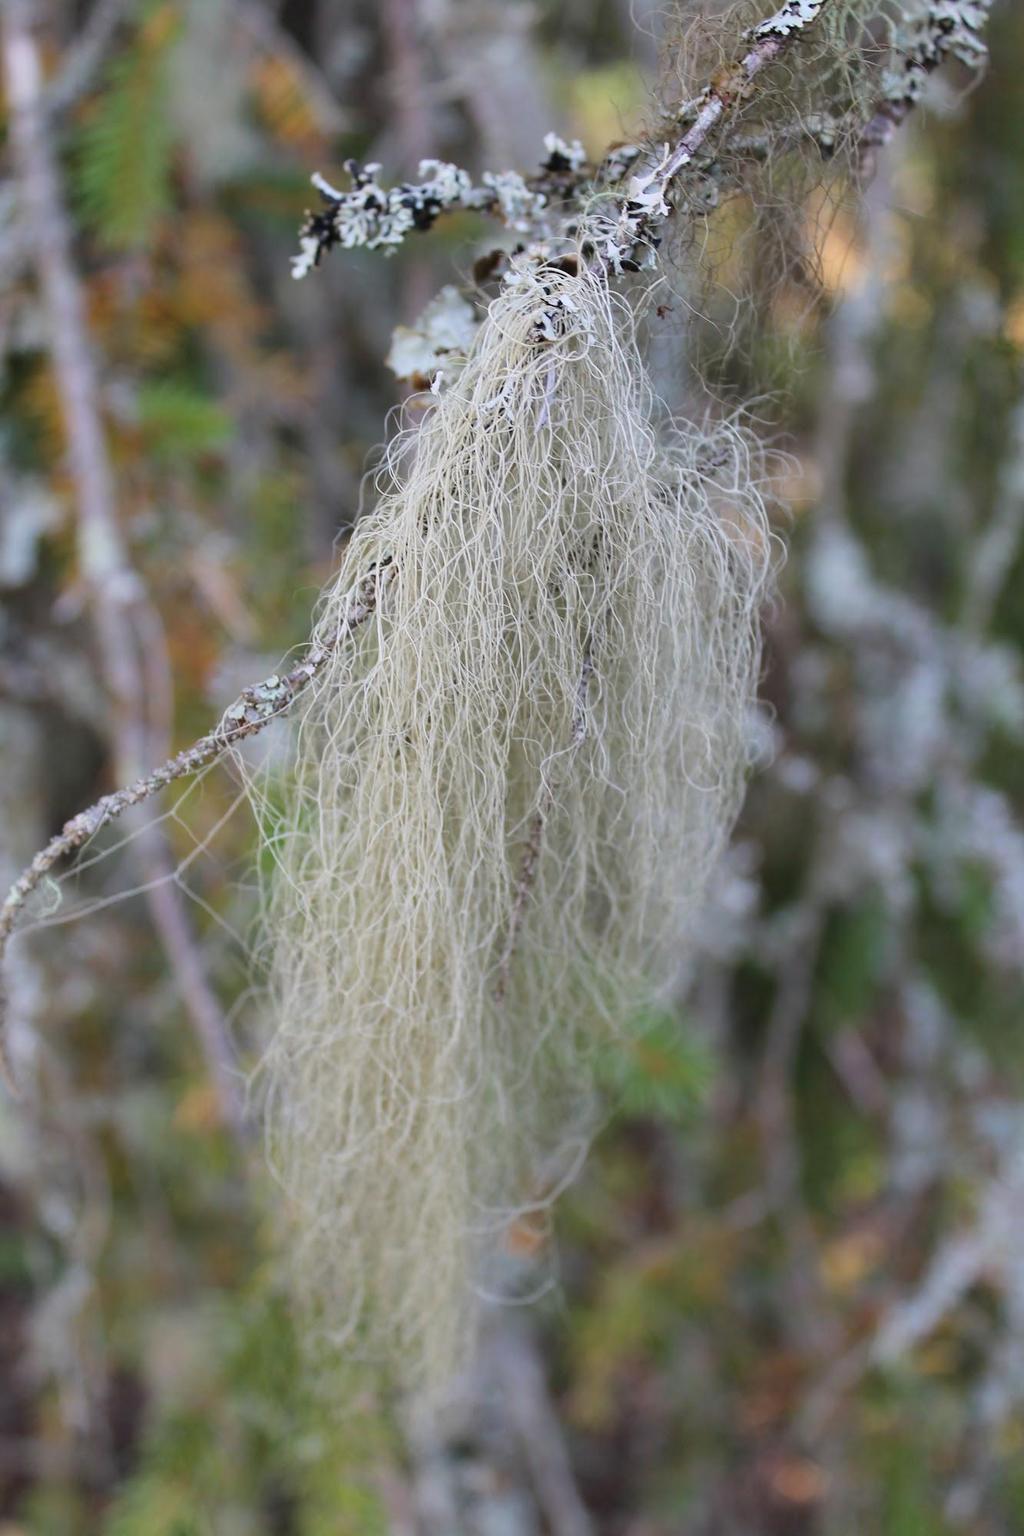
point(948, 29)
point(374, 216)
point(268, 34)
point(631, 239)
point(536, 1423)
point(255, 709)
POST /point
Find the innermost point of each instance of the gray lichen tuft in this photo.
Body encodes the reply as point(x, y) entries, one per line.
point(506, 799)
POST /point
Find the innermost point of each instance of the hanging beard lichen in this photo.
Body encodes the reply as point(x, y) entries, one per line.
point(509, 786)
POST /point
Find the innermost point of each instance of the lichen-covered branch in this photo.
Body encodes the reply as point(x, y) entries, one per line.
point(376, 217)
point(255, 708)
point(629, 240)
point(628, 234)
point(948, 29)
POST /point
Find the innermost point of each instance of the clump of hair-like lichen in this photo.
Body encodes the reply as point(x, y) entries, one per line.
point(765, 209)
point(505, 800)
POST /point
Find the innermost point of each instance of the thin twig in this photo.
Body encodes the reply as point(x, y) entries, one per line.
point(255, 708)
point(780, 1148)
point(1000, 540)
point(412, 125)
point(524, 885)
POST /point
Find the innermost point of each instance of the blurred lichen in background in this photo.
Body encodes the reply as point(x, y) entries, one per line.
point(792, 1281)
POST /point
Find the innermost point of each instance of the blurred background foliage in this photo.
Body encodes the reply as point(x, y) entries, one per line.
point(791, 1279)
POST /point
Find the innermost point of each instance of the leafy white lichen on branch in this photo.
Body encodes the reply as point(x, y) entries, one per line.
point(374, 216)
point(626, 230)
point(435, 345)
point(946, 29)
point(792, 17)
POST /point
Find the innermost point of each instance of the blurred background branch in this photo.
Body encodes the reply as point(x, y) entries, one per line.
point(128, 630)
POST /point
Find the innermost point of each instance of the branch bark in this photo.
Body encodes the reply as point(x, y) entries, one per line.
point(536, 1422)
